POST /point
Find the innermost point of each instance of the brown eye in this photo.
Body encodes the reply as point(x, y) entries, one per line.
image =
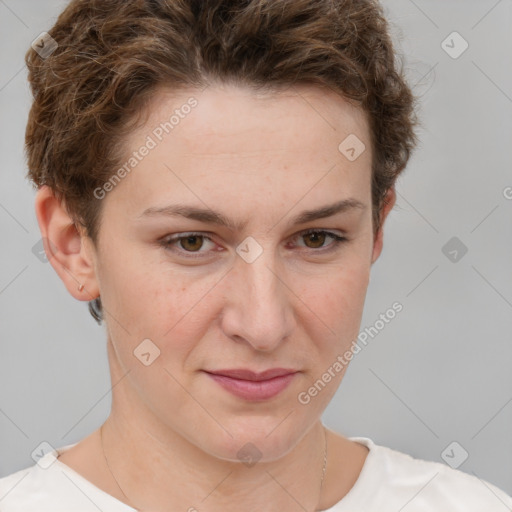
point(316, 238)
point(191, 243)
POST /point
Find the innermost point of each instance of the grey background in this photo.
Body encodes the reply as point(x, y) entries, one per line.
point(439, 372)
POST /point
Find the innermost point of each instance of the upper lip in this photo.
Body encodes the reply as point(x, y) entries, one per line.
point(245, 374)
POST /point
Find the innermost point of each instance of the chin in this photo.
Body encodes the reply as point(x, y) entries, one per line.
point(254, 440)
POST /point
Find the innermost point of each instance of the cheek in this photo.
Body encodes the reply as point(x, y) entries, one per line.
point(340, 285)
point(171, 308)
point(144, 295)
point(335, 301)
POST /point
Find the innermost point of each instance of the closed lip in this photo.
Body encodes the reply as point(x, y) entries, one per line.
point(244, 374)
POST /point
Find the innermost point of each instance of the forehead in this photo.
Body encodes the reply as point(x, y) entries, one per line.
point(232, 141)
point(225, 113)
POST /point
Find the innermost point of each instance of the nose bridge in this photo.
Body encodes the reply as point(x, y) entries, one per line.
point(263, 305)
point(263, 282)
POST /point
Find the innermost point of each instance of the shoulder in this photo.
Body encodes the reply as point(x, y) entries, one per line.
point(19, 490)
point(398, 479)
point(51, 486)
point(42, 487)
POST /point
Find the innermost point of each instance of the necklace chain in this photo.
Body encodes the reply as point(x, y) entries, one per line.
point(108, 465)
point(120, 488)
point(325, 458)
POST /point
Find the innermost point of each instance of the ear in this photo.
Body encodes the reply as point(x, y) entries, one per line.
point(67, 248)
point(389, 202)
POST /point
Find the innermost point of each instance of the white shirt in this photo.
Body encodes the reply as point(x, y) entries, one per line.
point(390, 481)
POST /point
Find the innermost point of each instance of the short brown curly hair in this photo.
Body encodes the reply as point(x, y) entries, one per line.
point(113, 54)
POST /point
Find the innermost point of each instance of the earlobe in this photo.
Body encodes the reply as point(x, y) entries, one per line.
point(389, 202)
point(63, 244)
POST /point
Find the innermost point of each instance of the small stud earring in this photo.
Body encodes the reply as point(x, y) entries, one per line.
point(81, 287)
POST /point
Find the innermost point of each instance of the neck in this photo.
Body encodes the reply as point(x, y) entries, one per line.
point(150, 473)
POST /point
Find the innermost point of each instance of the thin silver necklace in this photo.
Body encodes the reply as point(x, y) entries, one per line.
point(129, 501)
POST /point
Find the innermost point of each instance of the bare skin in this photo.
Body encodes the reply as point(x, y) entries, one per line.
point(344, 463)
point(174, 434)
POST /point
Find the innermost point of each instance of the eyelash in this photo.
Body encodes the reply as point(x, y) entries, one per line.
point(169, 241)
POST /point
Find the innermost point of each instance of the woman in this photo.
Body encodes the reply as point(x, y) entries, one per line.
point(219, 173)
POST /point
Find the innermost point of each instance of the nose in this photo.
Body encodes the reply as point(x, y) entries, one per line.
point(259, 309)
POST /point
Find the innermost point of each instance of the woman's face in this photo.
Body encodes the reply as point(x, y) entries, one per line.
point(255, 292)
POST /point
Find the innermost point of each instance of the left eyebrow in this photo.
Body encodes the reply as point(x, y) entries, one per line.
point(212, 217)
point(328, 211)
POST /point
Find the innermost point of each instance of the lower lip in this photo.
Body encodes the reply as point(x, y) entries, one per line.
point(253, 390)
